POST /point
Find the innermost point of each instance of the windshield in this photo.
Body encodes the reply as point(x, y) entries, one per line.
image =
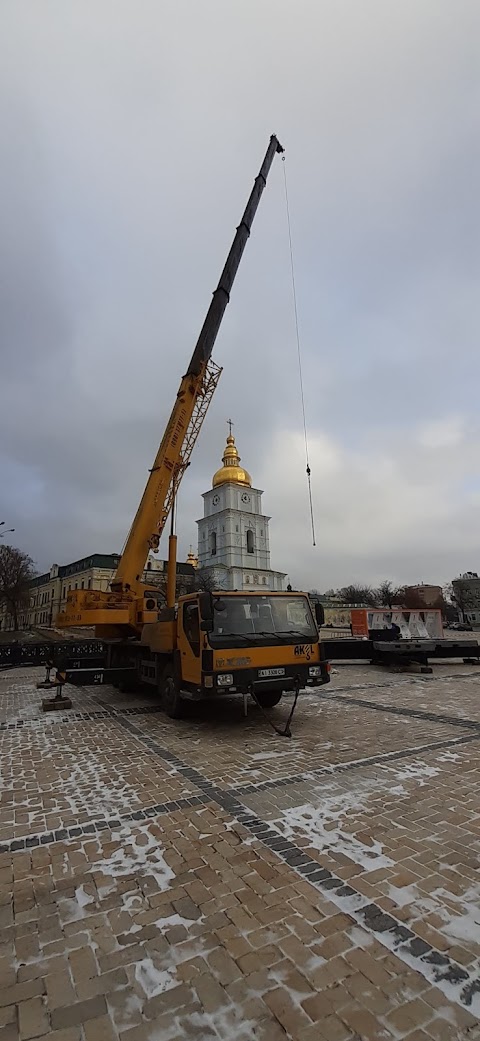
point(282, 616)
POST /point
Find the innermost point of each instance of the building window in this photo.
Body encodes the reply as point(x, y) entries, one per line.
point(63, 593)
point(236, 527)
point(76, 585)
point(264, 580)
point(250, 542)
point(69, 589)
point(261, 531)
point(149, 565)
point(89, 583)
point(83, 585)
point(213, 543)
point(52, 593)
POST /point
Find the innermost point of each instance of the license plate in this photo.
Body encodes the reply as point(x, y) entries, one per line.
point(267, 673)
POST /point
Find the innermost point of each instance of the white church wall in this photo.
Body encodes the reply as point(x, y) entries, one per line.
point(233, 531)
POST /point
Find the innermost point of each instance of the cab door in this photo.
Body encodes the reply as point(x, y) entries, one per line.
point(190, 643)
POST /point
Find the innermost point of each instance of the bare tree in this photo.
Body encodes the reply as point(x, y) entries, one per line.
point(451, 607)
point(462, 596)
point(387, 594)
point(448, 594)
point(204, 581)
point(16, 573)
point(360, 595)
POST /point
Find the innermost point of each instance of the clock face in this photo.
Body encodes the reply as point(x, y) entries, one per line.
point(216, 500)
point(245, 497)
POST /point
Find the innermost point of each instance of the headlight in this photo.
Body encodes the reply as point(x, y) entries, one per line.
point(315, 670)
point(225, 679)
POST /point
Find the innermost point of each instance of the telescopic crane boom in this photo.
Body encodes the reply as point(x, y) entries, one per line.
point(176, 446)
point(116, 609)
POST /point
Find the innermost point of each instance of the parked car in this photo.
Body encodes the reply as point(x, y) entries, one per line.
point(461, 627)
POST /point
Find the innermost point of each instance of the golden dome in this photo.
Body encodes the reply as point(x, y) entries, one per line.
point(192, 558)
point(231, 472)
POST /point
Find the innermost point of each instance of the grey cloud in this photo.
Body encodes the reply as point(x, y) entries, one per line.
point(129, 142)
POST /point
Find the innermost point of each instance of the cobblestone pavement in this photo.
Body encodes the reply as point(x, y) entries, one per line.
point(208, 879)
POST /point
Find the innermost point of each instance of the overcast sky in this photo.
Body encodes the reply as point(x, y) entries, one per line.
point(130, 134)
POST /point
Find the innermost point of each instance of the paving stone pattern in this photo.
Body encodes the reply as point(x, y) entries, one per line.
point(208, 879)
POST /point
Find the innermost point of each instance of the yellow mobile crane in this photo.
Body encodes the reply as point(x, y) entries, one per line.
point(207, 643)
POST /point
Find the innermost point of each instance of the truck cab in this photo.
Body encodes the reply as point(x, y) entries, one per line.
point(223, 643)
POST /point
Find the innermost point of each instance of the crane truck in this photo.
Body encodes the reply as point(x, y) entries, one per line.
point(205, 644)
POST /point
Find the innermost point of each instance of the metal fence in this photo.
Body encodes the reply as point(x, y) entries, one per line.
point(14, 654)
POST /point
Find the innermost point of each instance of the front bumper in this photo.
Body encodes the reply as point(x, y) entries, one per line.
point(246, 680)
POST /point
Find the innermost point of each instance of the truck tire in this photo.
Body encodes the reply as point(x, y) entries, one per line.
point(269, 698)
point(171, 700)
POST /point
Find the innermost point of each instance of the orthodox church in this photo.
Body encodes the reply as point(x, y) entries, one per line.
point(233, 539)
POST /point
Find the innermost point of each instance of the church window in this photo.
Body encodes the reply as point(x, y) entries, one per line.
point(236, 527)
point(250, 542)
point(213, 543)
point(261, 531)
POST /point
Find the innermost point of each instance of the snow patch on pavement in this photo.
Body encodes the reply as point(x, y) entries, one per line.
point(139, 854)
point(415, 771)
point(152, 980)
point(448, 757)
point(326, 827)
point(82, 897)
point(227, 1024)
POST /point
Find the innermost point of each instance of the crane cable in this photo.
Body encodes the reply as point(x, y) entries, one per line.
point(299, 354)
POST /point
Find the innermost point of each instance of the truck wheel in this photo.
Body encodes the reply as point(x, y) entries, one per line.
point(269, 698)
point(171, 700)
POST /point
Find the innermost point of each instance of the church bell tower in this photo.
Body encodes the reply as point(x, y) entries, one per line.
point(233, 537)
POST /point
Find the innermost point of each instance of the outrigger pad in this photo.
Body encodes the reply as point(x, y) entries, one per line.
point(54, 704)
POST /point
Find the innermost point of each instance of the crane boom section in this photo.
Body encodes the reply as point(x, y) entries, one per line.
point(221, 296)
point(170, 461)
point(166, 471)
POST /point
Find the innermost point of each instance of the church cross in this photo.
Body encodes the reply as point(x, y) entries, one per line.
point(230, 424)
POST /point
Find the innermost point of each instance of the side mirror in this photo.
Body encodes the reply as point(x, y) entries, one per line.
point(319, 614)
point(205, 604)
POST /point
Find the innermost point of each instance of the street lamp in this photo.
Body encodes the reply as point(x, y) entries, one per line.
point(7, 531)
